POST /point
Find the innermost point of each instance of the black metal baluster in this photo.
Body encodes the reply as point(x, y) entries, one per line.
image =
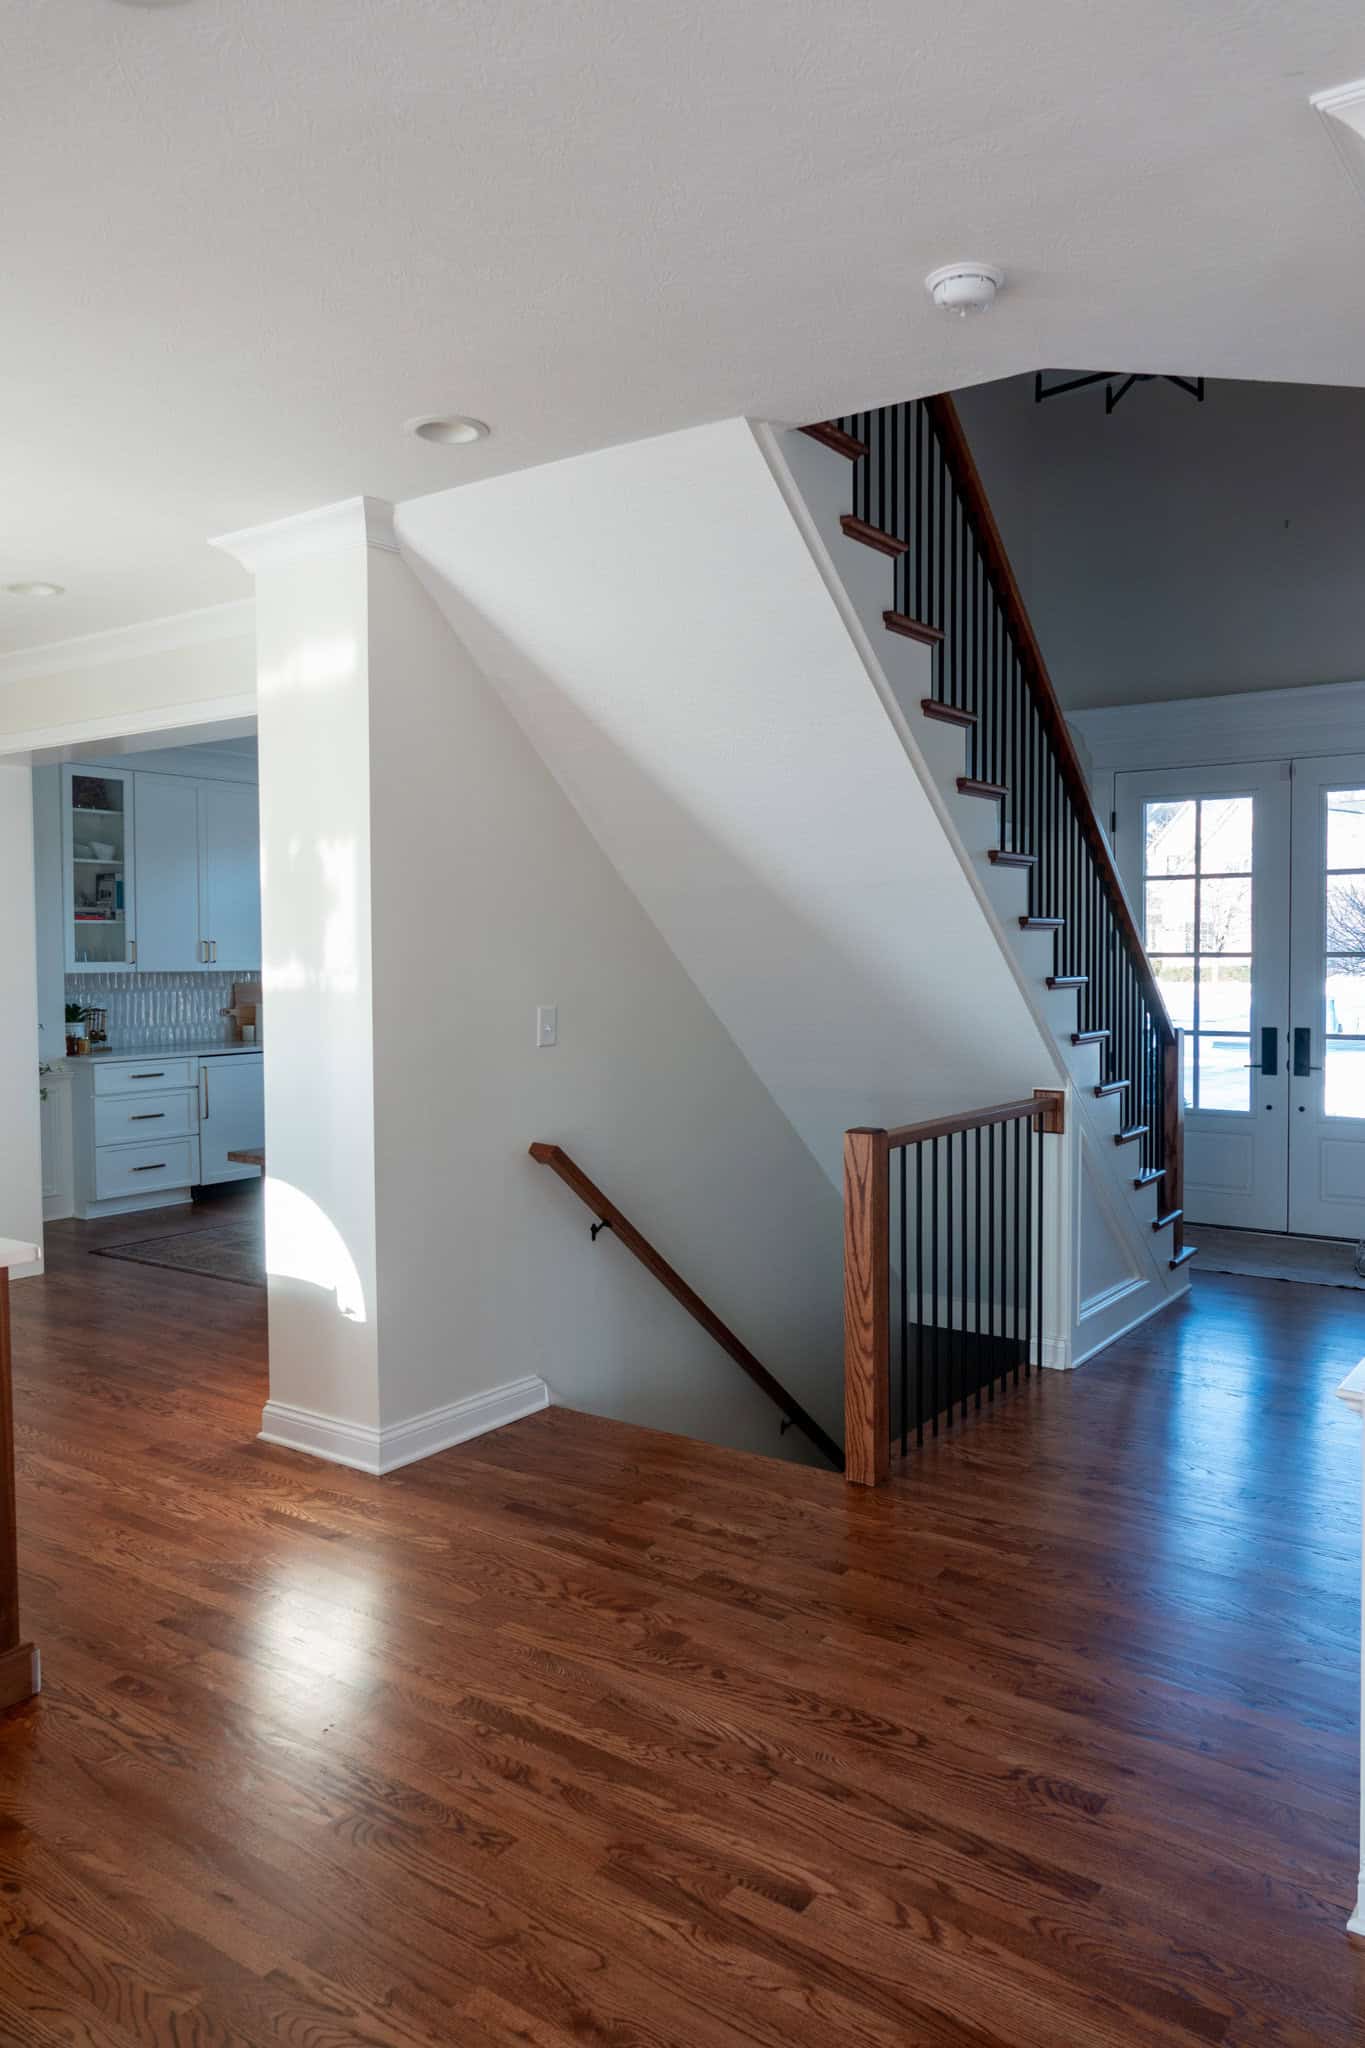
point(1027, 1133)
point(919, 1294)
point(993, 1281)
point(964, 1348)
point(948, 1285)
point(1014, 1237)
point(933, 1281)
point(981, 1354)
point(905, 1312)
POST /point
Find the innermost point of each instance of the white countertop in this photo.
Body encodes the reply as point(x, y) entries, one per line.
point(14, 1252)
point(207, 1048)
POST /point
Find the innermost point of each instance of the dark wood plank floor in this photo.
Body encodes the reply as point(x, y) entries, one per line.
point(585, 1734)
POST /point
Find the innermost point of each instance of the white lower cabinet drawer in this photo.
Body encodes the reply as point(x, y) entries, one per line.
point(119, 1119)
point(142, 1169)
point(147, 1076)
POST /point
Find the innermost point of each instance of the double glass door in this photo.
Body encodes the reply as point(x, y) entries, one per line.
point(1251, 886)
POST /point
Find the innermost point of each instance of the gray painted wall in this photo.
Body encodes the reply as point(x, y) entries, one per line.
point(1177, 550)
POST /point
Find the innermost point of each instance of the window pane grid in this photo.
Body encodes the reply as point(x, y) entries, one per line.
point(1199, 929)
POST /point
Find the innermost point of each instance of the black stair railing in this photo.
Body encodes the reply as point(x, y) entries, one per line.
point(945, 1271)
point(917, 493)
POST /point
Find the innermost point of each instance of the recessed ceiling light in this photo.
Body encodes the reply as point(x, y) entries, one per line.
point(35, 589)
point(450, 429)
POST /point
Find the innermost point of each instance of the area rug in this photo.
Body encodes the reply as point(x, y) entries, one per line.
point(232, 1250)
point(1264, 1255)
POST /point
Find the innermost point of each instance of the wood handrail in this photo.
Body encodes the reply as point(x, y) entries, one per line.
point(1046, 1105)
point(962, 465)
point(654, 1262)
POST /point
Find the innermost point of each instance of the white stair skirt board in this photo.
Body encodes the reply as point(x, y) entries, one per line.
point(401, 1443)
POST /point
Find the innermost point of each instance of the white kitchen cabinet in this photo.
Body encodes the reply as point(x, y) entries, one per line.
point(97, 870)
point(230, 872)
point(150, 1127)
point(170, 931)
point(231, 1115)
point(199, 874)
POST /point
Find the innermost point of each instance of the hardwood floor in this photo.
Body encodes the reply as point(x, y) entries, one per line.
point(581, 1733)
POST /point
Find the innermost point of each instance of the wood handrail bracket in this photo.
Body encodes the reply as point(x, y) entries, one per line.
point(672, 1281)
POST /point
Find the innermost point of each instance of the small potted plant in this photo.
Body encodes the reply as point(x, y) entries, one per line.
point(75, 1029)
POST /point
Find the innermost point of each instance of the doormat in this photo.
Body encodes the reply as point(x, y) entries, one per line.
point(232, 1251)
point(1266, 1255)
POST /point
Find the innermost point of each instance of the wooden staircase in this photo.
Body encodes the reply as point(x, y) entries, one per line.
point(917, 500)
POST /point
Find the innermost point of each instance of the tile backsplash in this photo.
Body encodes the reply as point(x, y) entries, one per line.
point(162, 1010)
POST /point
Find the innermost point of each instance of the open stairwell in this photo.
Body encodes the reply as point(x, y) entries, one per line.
point(852, 834)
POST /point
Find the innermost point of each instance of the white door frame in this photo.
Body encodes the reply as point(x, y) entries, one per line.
point(1326, 1153)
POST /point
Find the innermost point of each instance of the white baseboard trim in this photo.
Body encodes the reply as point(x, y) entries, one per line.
point(1162, 1301)
point(367, 1449)
point(1056, 1354)
point(1356, 1924)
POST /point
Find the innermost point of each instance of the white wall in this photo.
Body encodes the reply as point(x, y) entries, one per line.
point(491, 897)
point(1178, 550)
point(21, 1186)
point(655, 618)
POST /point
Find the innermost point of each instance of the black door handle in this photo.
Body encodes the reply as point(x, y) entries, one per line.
point(1303, 1053)
point(1270, 1049)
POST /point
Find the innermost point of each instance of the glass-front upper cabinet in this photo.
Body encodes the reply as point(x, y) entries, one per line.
point(97, 865)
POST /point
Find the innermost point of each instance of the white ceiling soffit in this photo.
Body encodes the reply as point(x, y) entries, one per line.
point(247, 241)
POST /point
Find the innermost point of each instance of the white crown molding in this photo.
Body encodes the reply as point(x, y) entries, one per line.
point(351, 522)
point(1253, 725)
point(376, 1450)
point(1341, 109)
point(233, 621)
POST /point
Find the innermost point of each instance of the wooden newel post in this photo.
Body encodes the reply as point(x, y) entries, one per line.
point(18, 1660)
point(1173, 1129)
point(867, 1307)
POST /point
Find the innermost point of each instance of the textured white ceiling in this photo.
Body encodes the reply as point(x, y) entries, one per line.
point(243, 241)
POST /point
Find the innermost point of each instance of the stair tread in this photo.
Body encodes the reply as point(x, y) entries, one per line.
point(1088, 1037)
point(1067, 980)
point(1181, 1256)
point(830, 436)
point(949, 713)
point(872, 536)
point(912, 629)
point(1129, 1133)
point(1006, 857)
point(1112, 1087)
point(969, 785)
point(1041, 924)
point(1148, 1175)
point(1171, 1216)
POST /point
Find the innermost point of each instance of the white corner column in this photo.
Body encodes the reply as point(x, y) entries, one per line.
point(1352, 1391)
point(356, 672)
point(314, 691)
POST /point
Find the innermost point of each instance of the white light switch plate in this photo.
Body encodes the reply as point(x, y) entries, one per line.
point(547, 1024)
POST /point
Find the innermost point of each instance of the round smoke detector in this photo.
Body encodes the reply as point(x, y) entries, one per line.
point(964, 287)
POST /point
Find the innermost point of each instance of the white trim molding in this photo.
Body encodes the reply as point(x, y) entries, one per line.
point(352, 522)
point(1352, 1392)
point(211, 623)
point(378, 1450)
